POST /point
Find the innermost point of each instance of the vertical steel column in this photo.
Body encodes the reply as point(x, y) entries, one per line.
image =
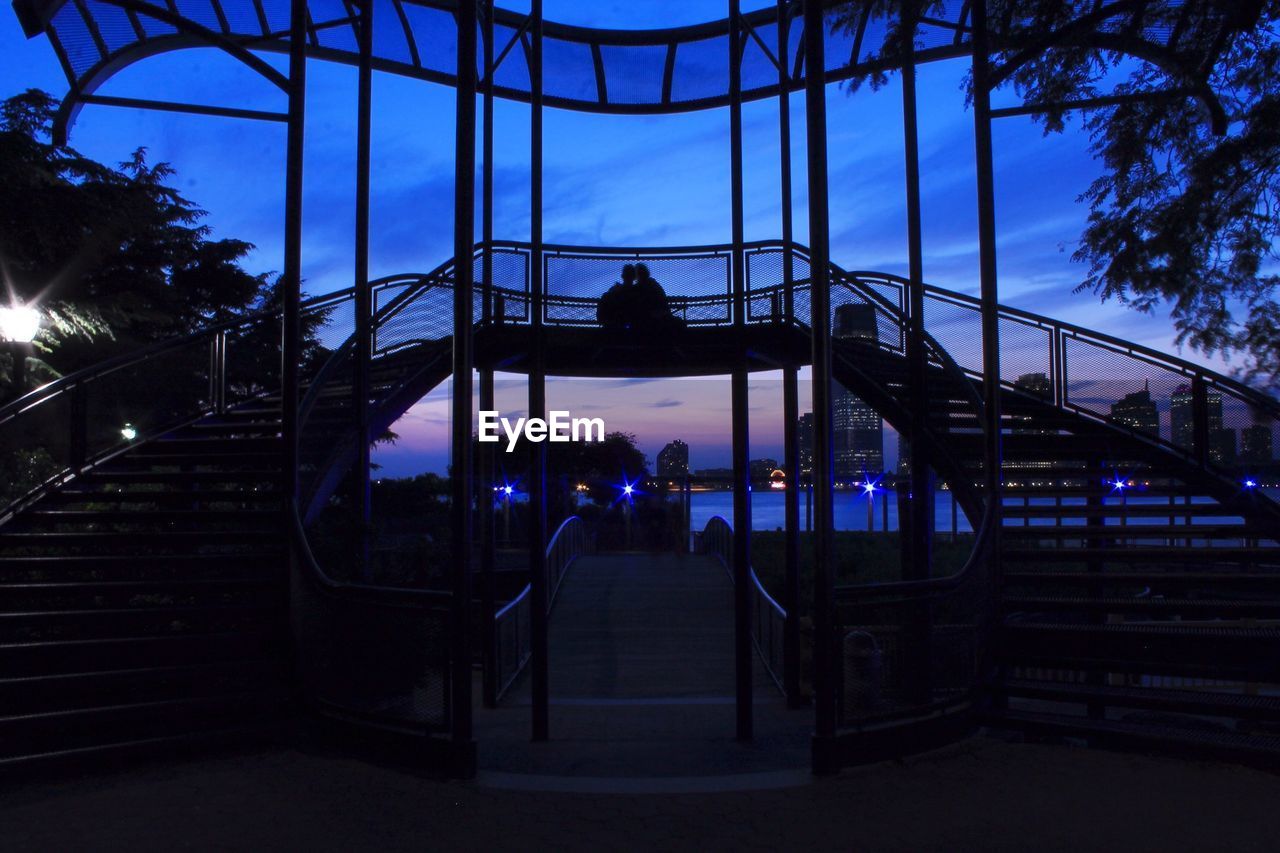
point(790, 379)
point(363, 296)
point(464, 194)
point(825, 641)
point(291, 281)
point(791, 510)
point(921, 495)
point(917, 531)
point(537, 398)
point(488, 520)
point(742, 597)
point(784, 147)
point(994, 450)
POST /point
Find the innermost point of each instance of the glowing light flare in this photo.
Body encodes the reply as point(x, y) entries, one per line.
point(19, 323)
point(627, 489)
point(128, 432)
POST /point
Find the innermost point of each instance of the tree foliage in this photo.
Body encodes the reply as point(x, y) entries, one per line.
point(1186, 212)
point(115, 257)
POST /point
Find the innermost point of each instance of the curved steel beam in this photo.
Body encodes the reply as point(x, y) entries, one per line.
point(190, 34)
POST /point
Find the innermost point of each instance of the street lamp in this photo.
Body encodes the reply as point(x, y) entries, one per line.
point(19, 325)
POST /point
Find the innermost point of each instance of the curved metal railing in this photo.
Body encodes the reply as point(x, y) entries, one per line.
point(369, 654)
point(768, 617)
point(1212, 419)
point(512, 644)
point(76, 423)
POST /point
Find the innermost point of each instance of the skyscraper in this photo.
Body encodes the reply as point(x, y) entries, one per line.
point(1256, 444)
point(858, 431)
point(1037, 385)
point(1180, 418)
point(1222, 440)
point(1138, 412)
point(673, 460)
point(804, 438)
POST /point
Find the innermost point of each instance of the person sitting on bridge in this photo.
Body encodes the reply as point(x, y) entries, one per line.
point(651, 309)
point(616, 310)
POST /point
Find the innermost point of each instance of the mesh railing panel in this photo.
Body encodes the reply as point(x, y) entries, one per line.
point(957, 327)
point(1099, 377)
point(633, 75)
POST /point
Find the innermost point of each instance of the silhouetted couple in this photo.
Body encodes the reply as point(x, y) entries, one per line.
point(636, 303)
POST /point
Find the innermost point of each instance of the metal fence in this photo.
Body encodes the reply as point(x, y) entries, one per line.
point(80, 421)
point(768, 618)
point(512, 642)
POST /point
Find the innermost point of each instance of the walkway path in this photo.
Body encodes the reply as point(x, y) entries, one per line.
point(642, 681)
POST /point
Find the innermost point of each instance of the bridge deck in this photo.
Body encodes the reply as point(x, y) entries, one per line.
point(642, 680)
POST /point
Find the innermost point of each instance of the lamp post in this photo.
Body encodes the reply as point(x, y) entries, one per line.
point(19, 325)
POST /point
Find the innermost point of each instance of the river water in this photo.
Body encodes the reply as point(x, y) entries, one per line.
point(767, 511)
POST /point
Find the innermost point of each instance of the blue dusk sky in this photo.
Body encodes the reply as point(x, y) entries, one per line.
point(610, 180)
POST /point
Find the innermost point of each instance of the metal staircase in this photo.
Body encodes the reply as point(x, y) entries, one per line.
point(147, 595)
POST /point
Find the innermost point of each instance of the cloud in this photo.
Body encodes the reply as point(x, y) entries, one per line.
point(666, 404)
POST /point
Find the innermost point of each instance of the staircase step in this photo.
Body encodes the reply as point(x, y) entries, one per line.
point(178, 498)
point(43, 625)
point(129, 567)
point(19, 696)
point(1014, 509)
point(115, 653)
point(1233, 580)
point(76, 594)
point(1145, 554)
point(1130, 531)
point(111, 753)
point(143, 541)
point(218, 445)
point(1222, 745)
point(1197, 607)
point(243, 476)
point(204, 517)
point(85, 727)
point(261, 459)
point(1204, 702)
point(1210, 650)
point(237, 427)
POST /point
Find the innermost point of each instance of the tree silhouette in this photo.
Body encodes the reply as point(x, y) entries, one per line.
point(1186, 214)
point(115, 257)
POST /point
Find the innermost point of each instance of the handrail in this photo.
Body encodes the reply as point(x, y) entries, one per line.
point(884, 591)
point(514, 618)
point(768, 623)
point(1263, 400)
point(405, 630)
point(386, 594)
point(144, 353)
point(860, 278)
point(76, 388)
point(529, 587)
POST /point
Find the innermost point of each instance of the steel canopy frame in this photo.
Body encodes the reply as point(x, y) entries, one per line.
point(595, 70)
